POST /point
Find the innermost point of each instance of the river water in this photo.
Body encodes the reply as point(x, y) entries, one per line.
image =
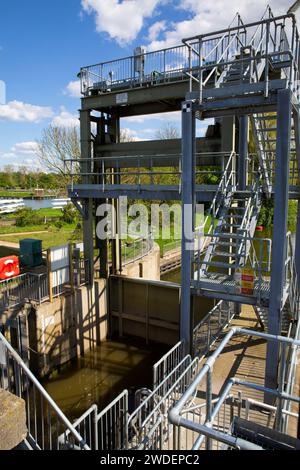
point(36, 204)
point(102, 374)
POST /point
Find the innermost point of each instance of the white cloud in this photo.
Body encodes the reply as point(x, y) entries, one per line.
point(122, 20)
point(155, 30)
point(65, 119)
point(212, 17)
point(132, 133)
point(17, 111)
point(25, 148)
point(20, 155)
point(73, 89)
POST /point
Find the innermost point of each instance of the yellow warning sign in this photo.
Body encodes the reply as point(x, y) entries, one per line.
point(245, 281)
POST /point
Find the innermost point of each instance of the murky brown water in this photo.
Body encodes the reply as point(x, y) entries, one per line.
point(102, 374)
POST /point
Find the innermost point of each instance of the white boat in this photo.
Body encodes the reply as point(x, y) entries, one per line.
point(59, 203)
point(9, 206)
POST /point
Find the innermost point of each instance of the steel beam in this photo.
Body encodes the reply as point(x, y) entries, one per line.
point(204, 193)
point(86, 152)
point(281, 197)
point(296, 118)
point(188, 212)
point(243, 152)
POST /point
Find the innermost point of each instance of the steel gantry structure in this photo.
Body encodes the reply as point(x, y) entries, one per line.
point(246, 77)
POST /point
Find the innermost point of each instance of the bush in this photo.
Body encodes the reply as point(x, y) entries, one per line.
point(28, 216)
point(69, 214)
point(58, 223)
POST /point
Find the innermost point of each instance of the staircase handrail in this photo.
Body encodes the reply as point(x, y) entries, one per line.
point(222, 188)
point(291, 274)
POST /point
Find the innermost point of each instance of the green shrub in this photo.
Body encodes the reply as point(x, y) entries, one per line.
point(28, 216)
point(69, 214)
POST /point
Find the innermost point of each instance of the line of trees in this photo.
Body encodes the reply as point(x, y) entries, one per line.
point(27, 179)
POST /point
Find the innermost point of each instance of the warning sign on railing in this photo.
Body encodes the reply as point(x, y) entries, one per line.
point(244, 281)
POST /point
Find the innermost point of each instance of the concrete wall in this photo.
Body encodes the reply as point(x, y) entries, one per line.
point(148, 266)
point(65, 329)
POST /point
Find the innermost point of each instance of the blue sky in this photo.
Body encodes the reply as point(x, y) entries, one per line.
point(43, 44)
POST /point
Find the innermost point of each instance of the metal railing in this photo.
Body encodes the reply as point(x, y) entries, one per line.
point(162, 66)
point(167, 363)
point(252, 47)
point(80, 272)
point(104, 430)
point(135, 250)
point(148, 426)
point(208, 330)
point(141, 170)
point(45, 420)
point(291, 278)
point(26, 287)
point(33, 287)
point(227, 185)
point(257, 258)
point(208, 430)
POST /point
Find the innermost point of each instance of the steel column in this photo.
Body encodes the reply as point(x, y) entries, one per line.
point(86, 153)
point(297, 247)
point(297, 142)
point(243, 152)
point(188, 211)
point(279, 232)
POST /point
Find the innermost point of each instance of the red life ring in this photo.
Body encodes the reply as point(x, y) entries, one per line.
point(9, 267)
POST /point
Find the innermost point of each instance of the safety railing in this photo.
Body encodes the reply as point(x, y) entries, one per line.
point(138, 170)
point(148, 426)
point(104, 430)
point(291, 278)
point(136, 249)
point(207, 53)
point(33, 287)
point(208, 330)
point(147, 68)
point(290, 373)
point(167, 363)
point(80, 272)
point(210, 431)
point(251, 47)
point(26, 287)
point(254, 169)
point(45, 421)
point(253, 254)
point(227, 185)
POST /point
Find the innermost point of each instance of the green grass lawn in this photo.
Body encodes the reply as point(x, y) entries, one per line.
point(49, 239)
point(39, 212)
point(16, 194)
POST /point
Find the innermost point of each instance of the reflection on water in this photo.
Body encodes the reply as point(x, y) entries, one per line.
point(102, 374)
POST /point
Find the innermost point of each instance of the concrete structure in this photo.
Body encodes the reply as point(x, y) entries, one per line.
point(51, 334)
point(13, 428)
